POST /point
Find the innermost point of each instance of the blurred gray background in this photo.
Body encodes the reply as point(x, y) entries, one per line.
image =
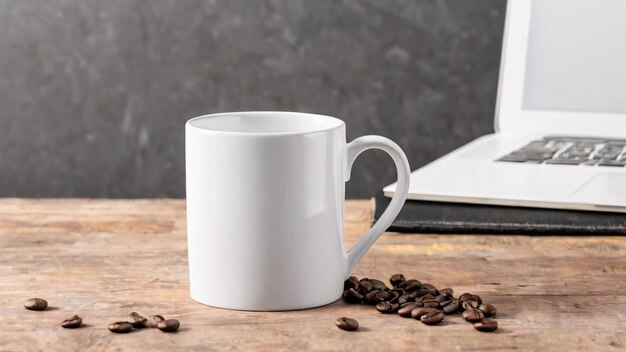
point(94, 94)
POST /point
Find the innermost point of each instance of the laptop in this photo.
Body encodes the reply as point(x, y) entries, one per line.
point(560, 124)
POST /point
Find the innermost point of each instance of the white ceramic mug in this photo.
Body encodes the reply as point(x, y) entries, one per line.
point(265, 196)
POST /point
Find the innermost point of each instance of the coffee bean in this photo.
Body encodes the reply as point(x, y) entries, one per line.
point(395, 293)
point(406, 309)
point(429, 287)
point(486, 325)
point(424, 292)
point(384, 296)
point(465, 297)
point(352, 297)
point(378, 285)
point(451, 307)
point(473, 315)
point(447, 291)
point(469, 304)
point(418, 312)
point(347, 324)
point(168, 325)
point(432, 318)
point(477, 299)
point(154, 320)
point(488, 309)
point(136, 320)
point(371, 299)
point(120, 327)
point(432, 304)
point(365, 286)
point(387, 308)
point(410, 285)
point(426, 298)
point(410, 293)
point(405, 298)
point(397, 279)
point(351, 283)
point(35, 304)
point(72, 322)
point(442, 298)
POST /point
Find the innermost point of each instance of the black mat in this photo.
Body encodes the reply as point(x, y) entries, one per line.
point(439, 217)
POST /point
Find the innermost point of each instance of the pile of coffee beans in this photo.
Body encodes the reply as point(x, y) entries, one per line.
point(410, 298)
point(139, 322)
point(134, 320)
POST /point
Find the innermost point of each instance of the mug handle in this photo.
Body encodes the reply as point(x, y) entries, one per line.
point(355, 148)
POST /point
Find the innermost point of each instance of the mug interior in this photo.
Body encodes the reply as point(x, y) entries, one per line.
point(265, 122)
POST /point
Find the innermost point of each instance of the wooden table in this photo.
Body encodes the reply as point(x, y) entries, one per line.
point(102, 259)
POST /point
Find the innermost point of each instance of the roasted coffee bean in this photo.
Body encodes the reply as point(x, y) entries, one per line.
point(442, 298)
point(397, 279)
point(353, 297)
point(72, 323)
point(35, 304)
point(426, 298)
point(469, 304)
point(447, 291)
point(405, 298)
point(387, 308)
point(473, 315)
point(120, 327)
point(429, 287)
point(451, 307)
point(168, 325)
point(423, 292)
point(136, 320)
point(154, 320)
point(432, 318)
point(406, 309)
point(384, 296)
point(365, 286)
point(347, 324)
point(419, 311)
point(477, 299)
point(395, 293)
point(410, 293)
point(370, 297)
point(465, 297)
point(410, 285)
point(351, 283)
point(486, 325)
point(488, 309)
point(432, 304)
point(379, 285)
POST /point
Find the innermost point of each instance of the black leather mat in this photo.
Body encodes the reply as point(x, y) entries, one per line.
point(439, 217)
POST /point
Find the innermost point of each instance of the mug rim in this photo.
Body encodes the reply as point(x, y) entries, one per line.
point(330, 123)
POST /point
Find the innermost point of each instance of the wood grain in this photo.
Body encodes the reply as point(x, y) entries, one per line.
point(102, 259)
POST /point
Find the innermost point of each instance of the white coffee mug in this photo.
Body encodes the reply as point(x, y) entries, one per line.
point(265, 196)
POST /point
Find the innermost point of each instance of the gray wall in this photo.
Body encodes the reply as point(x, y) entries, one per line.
point(94, 94)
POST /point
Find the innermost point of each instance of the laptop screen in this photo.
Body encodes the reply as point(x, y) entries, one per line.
point(576, 56)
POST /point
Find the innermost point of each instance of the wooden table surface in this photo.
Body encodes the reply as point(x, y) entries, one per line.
point(102, 259)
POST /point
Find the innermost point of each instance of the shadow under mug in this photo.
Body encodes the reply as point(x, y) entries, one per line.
point(265, 197)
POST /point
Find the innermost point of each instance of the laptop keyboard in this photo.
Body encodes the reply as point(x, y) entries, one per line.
point(571, 151)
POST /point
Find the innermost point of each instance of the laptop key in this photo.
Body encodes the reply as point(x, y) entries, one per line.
point(519, 159)
point(618, 163)
point(563, 161)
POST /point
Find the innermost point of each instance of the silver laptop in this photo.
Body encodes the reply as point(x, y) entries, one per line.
point(560, 139)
